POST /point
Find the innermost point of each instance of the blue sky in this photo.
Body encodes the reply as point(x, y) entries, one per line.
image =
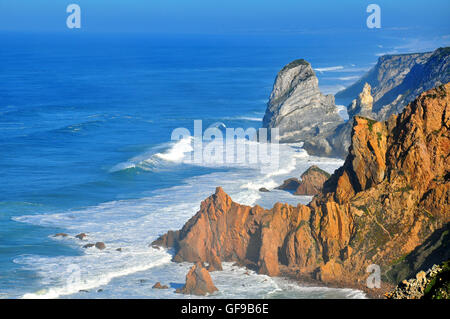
point(214, 16)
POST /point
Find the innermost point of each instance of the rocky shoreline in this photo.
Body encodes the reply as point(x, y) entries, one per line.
point(400, 165)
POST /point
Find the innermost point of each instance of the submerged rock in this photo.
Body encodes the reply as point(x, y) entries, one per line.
point(264, 190)
point(100, 245)
point(81, 236)
point(60, 235)
point(198, 282)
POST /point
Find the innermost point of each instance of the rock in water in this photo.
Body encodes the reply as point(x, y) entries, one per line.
point(300, 111)
point(291, 184)
point(198, 282)
point(60, 235)
point(100, 245)
point(81, 236)
point(312, 181)
point(159, 286)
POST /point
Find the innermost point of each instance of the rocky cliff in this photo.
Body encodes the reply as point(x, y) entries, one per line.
point(299, 110)
point(398, 79)
point(390, 196)
point(388, 87)
point(302, 114)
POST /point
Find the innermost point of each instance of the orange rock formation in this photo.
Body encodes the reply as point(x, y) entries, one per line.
point(390, 195)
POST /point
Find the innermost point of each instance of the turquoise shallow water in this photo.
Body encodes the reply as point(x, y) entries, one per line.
point(85, 125)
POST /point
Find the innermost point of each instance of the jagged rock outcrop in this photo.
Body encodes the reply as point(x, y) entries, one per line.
point(363, 105)
point(389, 197)
point(300, 111)
point(312, 181)
point(198, 282)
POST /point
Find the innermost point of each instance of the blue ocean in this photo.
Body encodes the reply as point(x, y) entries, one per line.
point(85, 146)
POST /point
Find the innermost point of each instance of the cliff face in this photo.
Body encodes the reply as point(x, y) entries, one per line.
point(299, 110)
point(303, 114)
point(391, 194)
point(388, 87)
point(396, 80)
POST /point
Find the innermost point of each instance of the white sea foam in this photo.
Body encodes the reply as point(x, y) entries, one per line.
point(133, 224)
point(177, 152)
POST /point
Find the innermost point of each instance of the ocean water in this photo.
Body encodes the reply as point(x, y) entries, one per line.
point(85, 146)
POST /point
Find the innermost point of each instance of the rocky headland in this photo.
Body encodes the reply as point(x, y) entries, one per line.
point(388, 87)
point(303, 114)
point(389, 199)
point(398, 79)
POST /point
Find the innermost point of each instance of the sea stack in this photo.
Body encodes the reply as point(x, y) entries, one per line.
point(198, 282)
point(300, 111)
